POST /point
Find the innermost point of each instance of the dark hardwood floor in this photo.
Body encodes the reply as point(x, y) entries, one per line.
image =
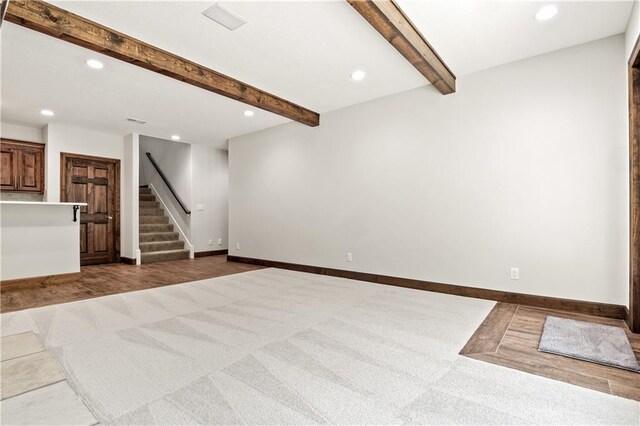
point(102, 280)
point(510, 335)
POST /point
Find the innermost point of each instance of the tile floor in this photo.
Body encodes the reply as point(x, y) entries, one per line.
point(34, 389)
point(55, 404)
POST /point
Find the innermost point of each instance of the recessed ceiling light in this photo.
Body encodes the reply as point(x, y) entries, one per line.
point(46, 112)
point(175, 137)
point(95, 64)
point(358, 75)
point(546, 12)
point(224, 17)
point(249, 113)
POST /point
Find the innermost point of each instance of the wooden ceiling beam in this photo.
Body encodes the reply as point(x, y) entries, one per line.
point(391, 22)
point(59, 23)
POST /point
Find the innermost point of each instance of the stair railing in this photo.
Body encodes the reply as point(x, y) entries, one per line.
point(166, 181)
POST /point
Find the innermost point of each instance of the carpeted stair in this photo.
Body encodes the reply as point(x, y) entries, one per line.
point(158, 242)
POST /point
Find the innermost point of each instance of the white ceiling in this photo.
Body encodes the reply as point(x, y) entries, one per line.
point(303, 51)
point(472, 35)
point(41, 72)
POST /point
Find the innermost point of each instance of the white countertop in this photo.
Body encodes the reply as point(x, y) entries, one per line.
point(40, 203)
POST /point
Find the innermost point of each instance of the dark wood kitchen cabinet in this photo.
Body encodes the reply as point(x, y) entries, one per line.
point(22, 166)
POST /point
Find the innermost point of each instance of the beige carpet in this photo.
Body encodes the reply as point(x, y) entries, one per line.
point(282, 347)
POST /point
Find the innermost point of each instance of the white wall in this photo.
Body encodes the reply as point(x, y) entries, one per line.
point(633, 30)
point(210, 191)
point(59, 138)
point(525, 166)
point(20, 132)
point(38, 240)
point(129, 225)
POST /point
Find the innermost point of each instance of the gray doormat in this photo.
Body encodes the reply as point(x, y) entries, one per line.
point(602, 344)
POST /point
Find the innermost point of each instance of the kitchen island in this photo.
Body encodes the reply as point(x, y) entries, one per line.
point(39, 239)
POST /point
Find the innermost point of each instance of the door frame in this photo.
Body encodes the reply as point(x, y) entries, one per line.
point(116, 214)
point(633, 319)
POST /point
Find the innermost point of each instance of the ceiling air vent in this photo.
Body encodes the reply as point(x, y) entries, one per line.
point(136, 120)
point(224, 17)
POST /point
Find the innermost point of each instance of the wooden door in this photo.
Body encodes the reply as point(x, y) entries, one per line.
point(8, 168)
point(30, 169)
point(95, 181)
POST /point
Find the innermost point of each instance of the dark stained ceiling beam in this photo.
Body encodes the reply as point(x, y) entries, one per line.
point(391, 22)
point(59, 23)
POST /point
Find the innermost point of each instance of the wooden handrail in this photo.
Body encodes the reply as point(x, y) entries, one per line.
point(166, 181)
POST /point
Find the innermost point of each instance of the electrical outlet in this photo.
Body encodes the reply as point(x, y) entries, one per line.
point(219, 241)
point(349, 257)
point(238, 246)
point(515, 273)
point(210, 242)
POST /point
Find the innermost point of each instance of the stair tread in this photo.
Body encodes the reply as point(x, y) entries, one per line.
point(150, 220)
point(158, 236)
point(155, 227)
point(162, 245)
point(166, 251)
point(158, 240)
point(165, 255)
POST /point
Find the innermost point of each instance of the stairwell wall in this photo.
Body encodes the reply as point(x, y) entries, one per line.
point(210, 217)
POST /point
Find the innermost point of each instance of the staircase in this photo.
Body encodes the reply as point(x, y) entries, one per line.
point(158, 242)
